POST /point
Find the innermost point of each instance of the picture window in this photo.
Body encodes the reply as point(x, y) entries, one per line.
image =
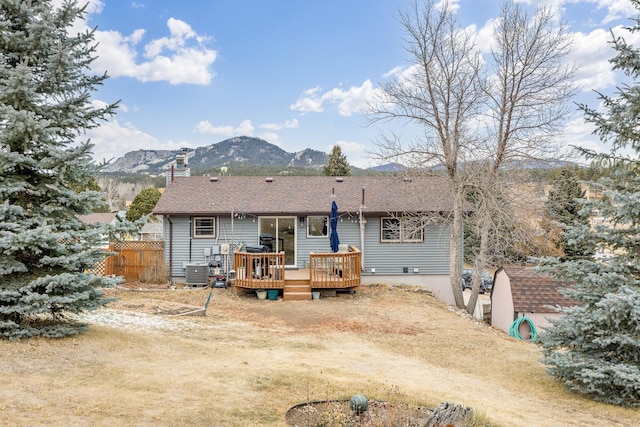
point(401, 230)
point(317, 226)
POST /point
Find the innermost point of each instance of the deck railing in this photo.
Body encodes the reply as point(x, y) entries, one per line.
point(326, 270)
point(263, 270)
point(335, 270)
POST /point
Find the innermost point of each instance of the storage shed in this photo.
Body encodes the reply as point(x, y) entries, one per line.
point(523, 292)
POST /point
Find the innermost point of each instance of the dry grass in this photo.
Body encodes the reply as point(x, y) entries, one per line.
point(248, 361)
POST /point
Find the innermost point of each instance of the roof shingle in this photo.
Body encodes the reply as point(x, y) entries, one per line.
point(200, 195)
point(534, 292)
point(103, 218)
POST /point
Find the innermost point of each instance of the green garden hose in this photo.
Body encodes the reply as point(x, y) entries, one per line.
point(514, 330)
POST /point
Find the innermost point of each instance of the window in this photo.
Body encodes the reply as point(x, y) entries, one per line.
point(390, 230)
point(204, 227)
point(401, 230)
point(317, 226)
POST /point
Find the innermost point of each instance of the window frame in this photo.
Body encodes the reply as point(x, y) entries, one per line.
point(410, 221)
point(389, 229)
point(326, 224)
point(196, 227)
point(400, 229)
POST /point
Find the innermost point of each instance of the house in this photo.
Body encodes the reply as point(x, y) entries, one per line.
point(522, 292)
point(151, 231)
point(101, 218)
point(393, 227)
point(108, 218)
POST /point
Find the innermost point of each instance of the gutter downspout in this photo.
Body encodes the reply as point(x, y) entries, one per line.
point(170, 249)
point(362, 224)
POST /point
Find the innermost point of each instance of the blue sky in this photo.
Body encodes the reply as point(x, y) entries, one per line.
point(296, 73)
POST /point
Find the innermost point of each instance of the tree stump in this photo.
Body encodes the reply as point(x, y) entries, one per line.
point(450, 415)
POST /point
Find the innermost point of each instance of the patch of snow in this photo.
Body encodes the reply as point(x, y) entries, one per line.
point(129, 320)
point(139, 168)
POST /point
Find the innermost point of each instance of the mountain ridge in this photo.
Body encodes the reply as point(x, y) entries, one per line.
point(241, 150)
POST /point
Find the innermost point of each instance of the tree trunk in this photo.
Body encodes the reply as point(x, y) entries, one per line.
point(455, 246)
point(479, 265)
point(450, 414)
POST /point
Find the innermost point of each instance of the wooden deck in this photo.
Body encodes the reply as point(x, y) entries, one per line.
point(266, 271)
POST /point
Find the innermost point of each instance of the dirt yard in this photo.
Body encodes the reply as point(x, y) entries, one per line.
point(248, 361)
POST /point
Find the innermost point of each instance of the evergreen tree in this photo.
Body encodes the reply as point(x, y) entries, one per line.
point(45, 88)
point(595, 347)
point(561, 209)
point(92, 185)
point(143, 203)
point(337, 164)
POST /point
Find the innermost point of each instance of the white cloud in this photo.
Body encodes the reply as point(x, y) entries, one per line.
point(616, 9)
point(484, 36)
point(180, 32)
point(453, 5)
point(243, 129)
point(272, 138)
point(578, 132)
point(394, 72)
point(291, 124)
point(354, 151)
point(113, 140)
point(93, 6)
point(592, 53)
point(309, 102)
point(350, 101)
point(288, 124)
point(180, 58)
point(349, 146)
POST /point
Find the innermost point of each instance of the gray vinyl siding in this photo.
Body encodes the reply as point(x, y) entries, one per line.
point(348, 233)
point(244, 231)
point(181, 236)
point(191, 250)
point(429, 257)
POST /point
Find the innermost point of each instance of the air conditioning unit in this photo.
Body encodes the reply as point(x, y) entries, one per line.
point(197, 275)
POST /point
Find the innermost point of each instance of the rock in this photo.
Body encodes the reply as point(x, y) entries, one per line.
point(450, 414)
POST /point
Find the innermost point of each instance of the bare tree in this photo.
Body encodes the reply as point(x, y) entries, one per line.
point(528, 104)
point(118, 192)
point(441, 91)
point(477, 116)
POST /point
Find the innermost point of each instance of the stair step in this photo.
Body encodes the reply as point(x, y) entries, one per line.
point(297, 282)
point(292, 296)
point(297, 288)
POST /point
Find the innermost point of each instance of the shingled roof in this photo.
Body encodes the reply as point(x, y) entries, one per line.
point(534, 292)
point(203, 195)
point(103, 218)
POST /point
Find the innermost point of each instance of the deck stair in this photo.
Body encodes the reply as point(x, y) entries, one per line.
point(296, 290)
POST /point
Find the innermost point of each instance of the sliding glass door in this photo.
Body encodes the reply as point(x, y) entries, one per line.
point(281, 231)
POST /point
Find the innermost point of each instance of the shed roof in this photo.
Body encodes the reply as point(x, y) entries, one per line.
point(99, 218)
point(198, 195)
point(534, 292)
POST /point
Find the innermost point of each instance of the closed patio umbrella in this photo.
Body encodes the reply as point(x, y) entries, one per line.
point(333, 238)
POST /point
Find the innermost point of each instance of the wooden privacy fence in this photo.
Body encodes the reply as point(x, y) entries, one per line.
point(134, 260)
